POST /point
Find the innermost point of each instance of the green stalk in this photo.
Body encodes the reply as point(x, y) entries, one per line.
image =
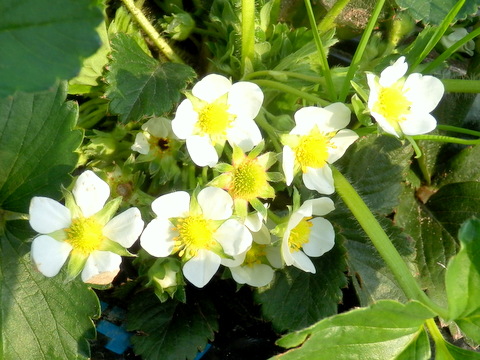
point(261, 121)
point(446, 139)
point(458, 130)
point(321, 52)
point(289, 89)
point(280, 73)
point(357, 57)
point(248, 36)
point(448, 52)
point(437, 337)
point(327, 22)
point(159, 42)
point(461, 86)
point(382, 243)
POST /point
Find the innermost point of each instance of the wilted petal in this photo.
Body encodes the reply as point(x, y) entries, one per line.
point(256, 275)
point(90, 193)
point(141, 144)
point(176, 204)
point(234, 237)
point(125, 228)
point(322, 238)
point(47, 215)
point(288, 164)
point(303, 262)
point(101, 267)
point(416, 124)
point(49, 255)
point(183, 124)
point(211, 87)
point(201, 151)
point(341, 141)
point(216, 203)
point(201, 268)
point(245, 99)
point(320, 179)
point(158, 238)
point(244, 133)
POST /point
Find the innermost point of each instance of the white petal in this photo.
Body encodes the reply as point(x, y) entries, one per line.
point(158, 238)
point(159, 127)
point(175, 204)
point(425, 92)
point(125, 228)
point(320, 180)
point(244, 133)
point(183, 124)
point(245, 99)
point(320, 206)
point(256, 275)
point(201, 268)
point(384, 124)
point(274, 256)
point(303, 262)
point(374, 90)
point(216, 203)
point(141, 144)
point(393, 73)
point(90, 193)
point(101, 267)
point(201, 151)
point(337, 117)
point(341, 141)
point(262, 236)
point(322, 238)
point(211, 87)
point(416, 124)
point(236, 261)
point(47, 215)
point(49, 255)
point(285, 248)
point(288, 164)
point(306, 118)
point(254, 221)
point(234, 237)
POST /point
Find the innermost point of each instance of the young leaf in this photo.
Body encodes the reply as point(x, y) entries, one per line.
point(44, 40)
point(170, 330)
point(385, 330)
point(140, 86)
point(296, 299)
point(433, 12)
point(42, 318)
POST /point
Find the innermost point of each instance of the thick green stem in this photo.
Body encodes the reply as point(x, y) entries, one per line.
point(437, 337)
point(159, 42)
point(328, 20)
point(321, 52)
point(461, 86)
point(382, 243)
point(289, 89)
point(446, 139)
point(284, 74)
point(248, 35)
point(458, 130)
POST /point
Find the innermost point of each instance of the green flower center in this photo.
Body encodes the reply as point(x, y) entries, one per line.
point(300, 235)
point(312, 149)
point(195, 233)
point(255, 254)
point(392, 104)
point(214, 119)
point(85, 235)
point(249, 178)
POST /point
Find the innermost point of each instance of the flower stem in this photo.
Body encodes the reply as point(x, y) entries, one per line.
point(446, 139)
point(289, 89)
point(382, 243)
point(160, 42)
point(461, 86)
point(248, 36)
point(458, 130)
point(283, 74)
point(270, 130)
point(321, 52)
point(328, 20)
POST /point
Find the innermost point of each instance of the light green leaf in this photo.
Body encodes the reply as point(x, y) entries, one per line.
point(140, 86)
point(42, 318)
point(452, 352)
point(296, 299)
point(434, 11)
point(170, 330)
point(44, 40)
point(385, 330)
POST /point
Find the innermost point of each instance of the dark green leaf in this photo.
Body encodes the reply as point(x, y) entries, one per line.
point(140, 86)
point(36, 146)
point(463, 167)
point(453, 352)
point(44, 40)
point(434, 11)
point(41, 318)
point(385, 330)
point(170, 330)
point(296, 299)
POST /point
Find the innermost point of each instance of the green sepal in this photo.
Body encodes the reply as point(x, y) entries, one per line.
point(360, 91)
point(195, 208)
point(259, 206)
point(71, 205)
point(241, 208)
point(222, 181)
point(290, 140)
point(76, 263)
point(59, 235)
point(256, 150)
point(110, 208)
point(296, 199)
point(275, 177)
point(267, 160)
point(360, 111)
point(114, 247)
point(223, 167)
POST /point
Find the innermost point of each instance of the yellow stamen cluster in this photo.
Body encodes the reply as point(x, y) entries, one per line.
point(300, 234)
point(312, 149)
point(214, 119)
point(85, 235)
point(392, 104)
point(255, 254)
point(249, 178)
point(194, 233)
